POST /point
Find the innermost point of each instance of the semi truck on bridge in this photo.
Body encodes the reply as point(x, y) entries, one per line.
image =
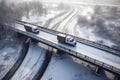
point(31, 29)
point(62, 38)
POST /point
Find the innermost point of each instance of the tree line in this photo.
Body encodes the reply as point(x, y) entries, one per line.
point(9, 12)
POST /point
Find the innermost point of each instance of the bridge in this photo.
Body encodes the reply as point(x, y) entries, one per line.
point(94, 53)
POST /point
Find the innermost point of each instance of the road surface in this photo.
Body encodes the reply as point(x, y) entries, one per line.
point(31, 64)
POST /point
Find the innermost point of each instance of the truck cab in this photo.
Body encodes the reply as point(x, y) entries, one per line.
point(70, 40)
point(65, 39)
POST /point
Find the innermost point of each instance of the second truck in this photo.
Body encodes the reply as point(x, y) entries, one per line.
point(65, 39)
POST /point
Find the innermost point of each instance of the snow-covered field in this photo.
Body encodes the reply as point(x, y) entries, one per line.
point(98, 24)
point(88, 33)
point(42, 20)
point(65, 68)
point(9, 55)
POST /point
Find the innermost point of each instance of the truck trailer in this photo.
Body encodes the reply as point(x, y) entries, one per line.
point(32, 29)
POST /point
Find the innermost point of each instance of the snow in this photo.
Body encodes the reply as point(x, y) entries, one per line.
point(34, 19)
point(69, 25)
point(9, 55)
point(88, 33)
point(31, 64)
point(66, 20)
point(65, 68)
point(57, 20)
point(41, 20)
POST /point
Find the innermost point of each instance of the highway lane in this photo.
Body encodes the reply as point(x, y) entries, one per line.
point(70, 25)
point(66, 21)
point(83, 49)
point(55, 17)
point(31, 64)
point(59, 19)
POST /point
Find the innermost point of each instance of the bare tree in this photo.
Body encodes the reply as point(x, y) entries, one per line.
point(37, 7)
point(6, 17)
point(63, 6)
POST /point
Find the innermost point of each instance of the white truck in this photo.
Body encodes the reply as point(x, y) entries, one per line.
point(65, 39)
point(32, 29)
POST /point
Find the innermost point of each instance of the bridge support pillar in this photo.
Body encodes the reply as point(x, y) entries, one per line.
point(117, 77)
point(98, 70)
point(19, 35)
point(34, 41)
point(60, 52)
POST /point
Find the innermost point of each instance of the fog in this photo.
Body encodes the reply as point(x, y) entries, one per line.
point(106, 2)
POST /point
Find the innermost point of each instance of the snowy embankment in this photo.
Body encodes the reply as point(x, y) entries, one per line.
point(31, 64)
point(90, 20)
point(57, 20)
point(41, 20)
point(88, 33)
point(65, 68)
point(9, 55)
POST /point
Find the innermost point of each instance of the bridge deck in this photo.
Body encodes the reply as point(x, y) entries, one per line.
point(96, 56)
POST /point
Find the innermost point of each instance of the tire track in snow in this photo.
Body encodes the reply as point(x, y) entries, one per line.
point(45, 64)
point(71, 23)
point(31, 63)
point(58, 21)
point(62, 26)
point(58, 24)
point(18, 62)
point(68, 26)
point(52, 19)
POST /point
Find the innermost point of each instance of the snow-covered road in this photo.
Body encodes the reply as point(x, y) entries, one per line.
point(64, 22)
point(56, 20)
point(54, 24)
point(31, 64)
